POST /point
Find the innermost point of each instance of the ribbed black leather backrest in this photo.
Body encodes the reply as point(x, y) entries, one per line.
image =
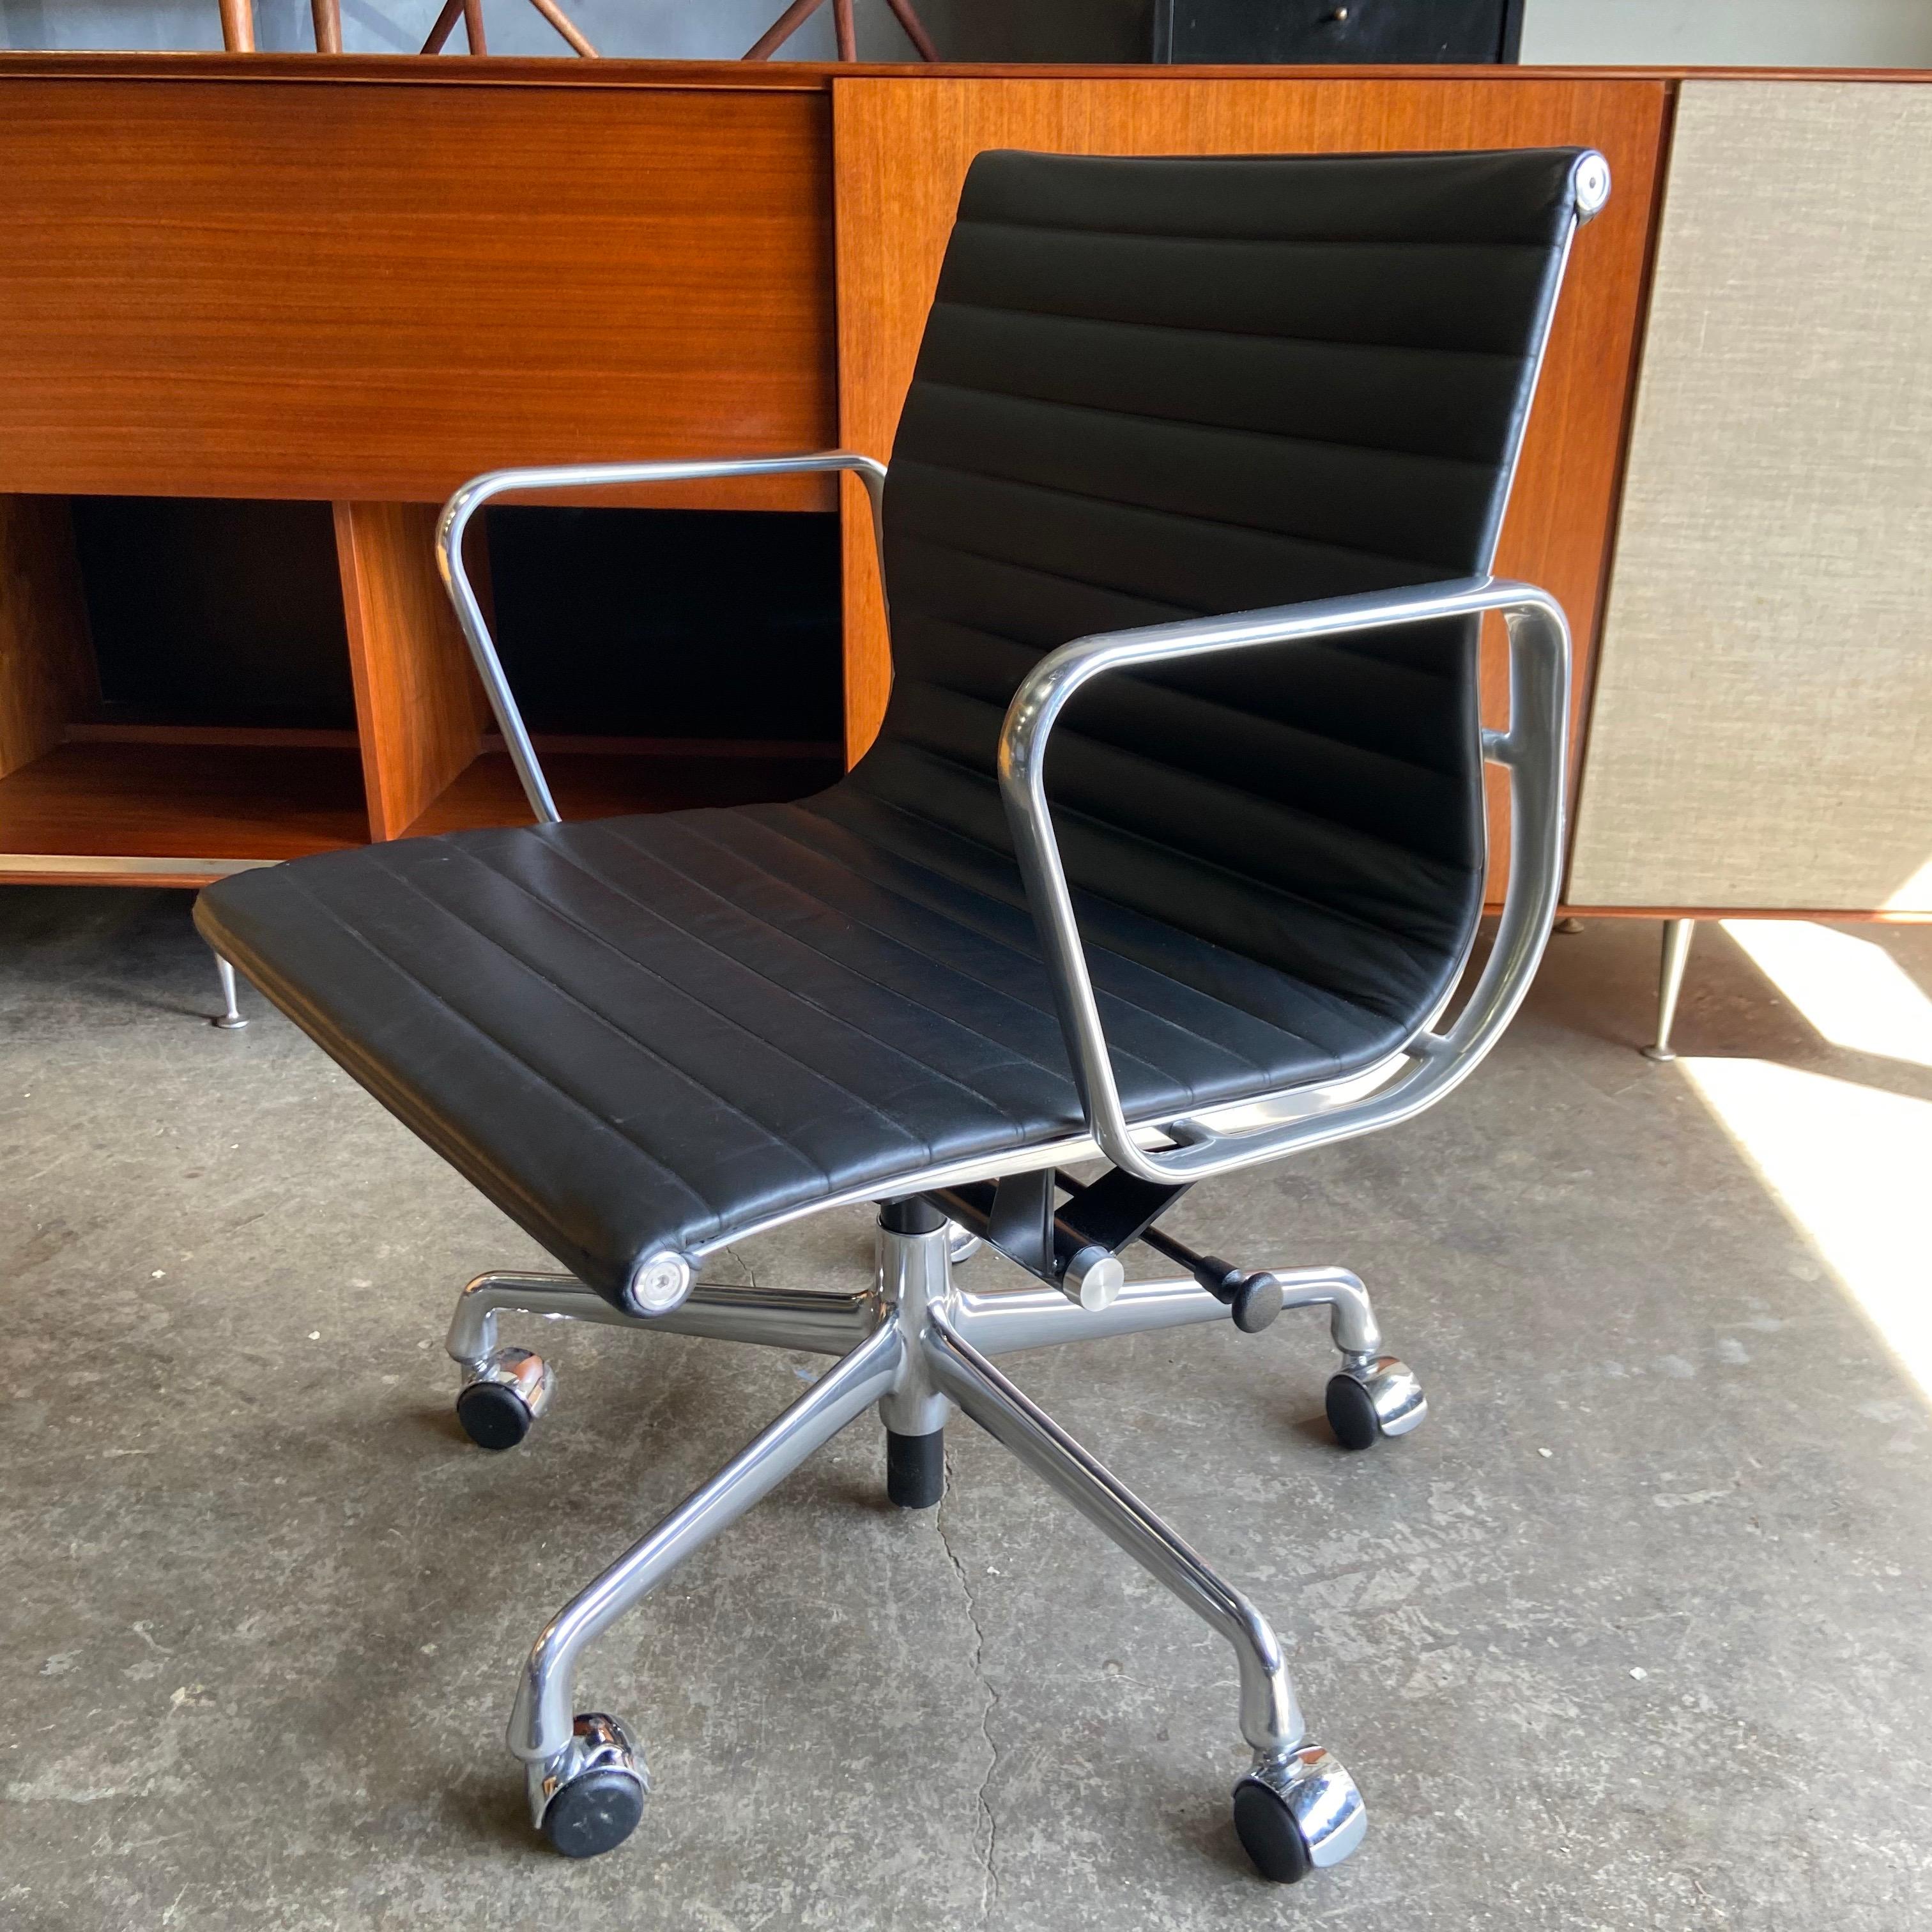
point(1158, 388)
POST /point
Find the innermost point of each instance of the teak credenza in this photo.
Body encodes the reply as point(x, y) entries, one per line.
point(259, 315)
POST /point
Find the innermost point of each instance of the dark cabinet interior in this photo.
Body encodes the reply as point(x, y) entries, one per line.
point(187, 682)
point(671, 623)
point(209, 610)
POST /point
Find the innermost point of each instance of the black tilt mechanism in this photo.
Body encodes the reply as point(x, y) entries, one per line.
point(1017, 1216)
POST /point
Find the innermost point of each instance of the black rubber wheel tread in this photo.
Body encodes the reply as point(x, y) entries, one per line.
point(492, 1416)
point(1268, 1834)
point(594, 1813)
point(1351, 1414)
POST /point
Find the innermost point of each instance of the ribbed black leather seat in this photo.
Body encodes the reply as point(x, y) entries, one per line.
point(1148, 390)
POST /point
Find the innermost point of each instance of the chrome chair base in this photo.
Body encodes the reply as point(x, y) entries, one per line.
point(918, 1349)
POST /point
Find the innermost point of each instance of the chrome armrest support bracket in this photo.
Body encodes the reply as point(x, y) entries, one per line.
point(479, 490)
point(1532, 749)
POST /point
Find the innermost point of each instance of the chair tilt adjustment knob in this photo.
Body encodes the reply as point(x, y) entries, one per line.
point(1254, 1299)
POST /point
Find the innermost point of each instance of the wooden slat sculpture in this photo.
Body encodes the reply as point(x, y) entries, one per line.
point(238, 26)
point(795, 17)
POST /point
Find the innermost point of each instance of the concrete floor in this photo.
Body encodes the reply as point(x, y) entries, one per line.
point(1633, 1634)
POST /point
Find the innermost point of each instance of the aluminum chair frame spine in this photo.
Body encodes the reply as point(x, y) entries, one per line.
point(1532, 749)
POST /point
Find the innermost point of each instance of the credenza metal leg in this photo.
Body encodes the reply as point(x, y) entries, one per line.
point(230, 1017)
point(1670, 982)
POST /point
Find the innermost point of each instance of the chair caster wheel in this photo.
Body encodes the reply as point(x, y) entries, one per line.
point(1381, 1398)
point(589, 1798)
point(1298, 1813)
point(962, 1243)
point(498, 1402)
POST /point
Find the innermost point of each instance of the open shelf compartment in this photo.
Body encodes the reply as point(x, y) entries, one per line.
point(188, 686)
point(175, 699)
point(661, 659)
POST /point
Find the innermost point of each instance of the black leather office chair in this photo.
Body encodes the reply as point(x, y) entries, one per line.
point(1151, 393)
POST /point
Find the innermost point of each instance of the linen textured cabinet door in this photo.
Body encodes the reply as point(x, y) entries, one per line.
point(1761, 736)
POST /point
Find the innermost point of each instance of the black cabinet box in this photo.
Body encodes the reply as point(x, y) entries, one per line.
point(1298, 33)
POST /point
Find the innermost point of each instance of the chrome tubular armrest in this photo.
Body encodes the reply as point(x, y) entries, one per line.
point(479, 490)
point(1532, 749)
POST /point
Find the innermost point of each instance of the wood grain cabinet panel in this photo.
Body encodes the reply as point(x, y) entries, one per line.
point(420, 710)
point(367, 291)
point(47, 674)
point(1762, 734)
point(901, 150)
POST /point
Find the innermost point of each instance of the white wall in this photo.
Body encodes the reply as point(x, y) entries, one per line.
point(1729, 33)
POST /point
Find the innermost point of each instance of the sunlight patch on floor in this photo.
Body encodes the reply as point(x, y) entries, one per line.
point(1850, 1164)
point(1851, 989)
